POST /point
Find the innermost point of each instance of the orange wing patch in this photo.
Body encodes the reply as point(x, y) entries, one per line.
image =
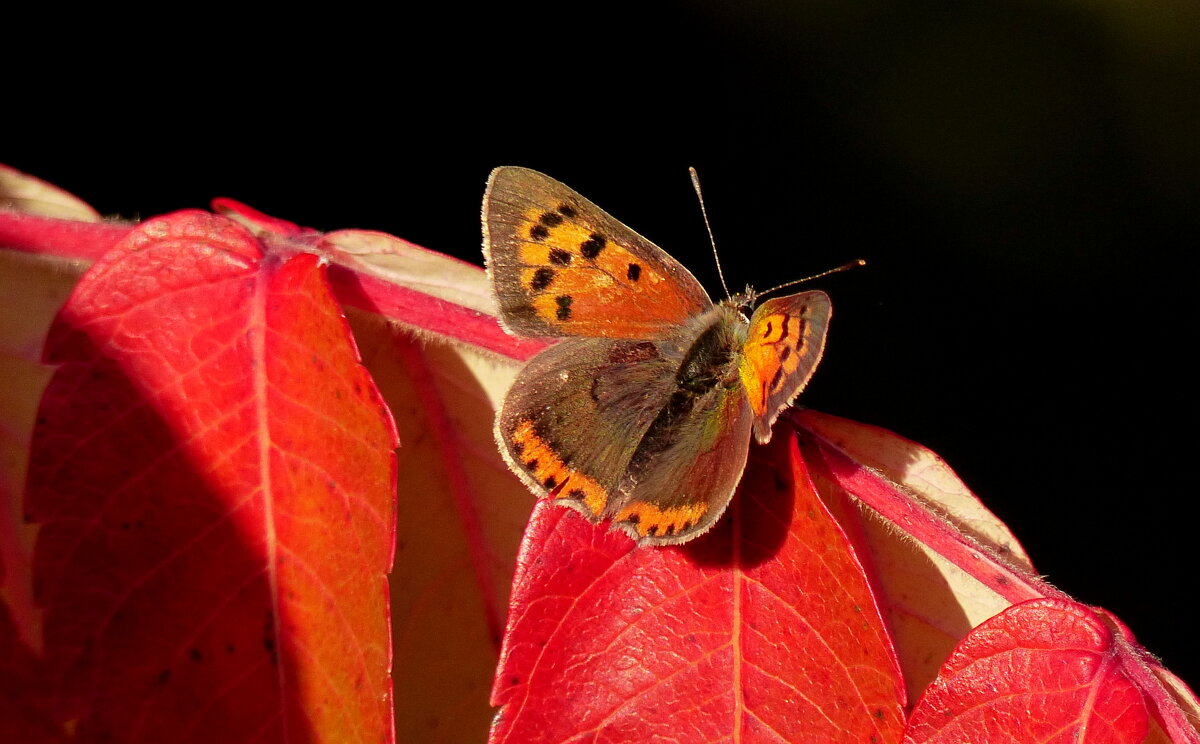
point(581, 280)
point(649, 520)
point(772, 355)
point(783, 346)
point(560, 481)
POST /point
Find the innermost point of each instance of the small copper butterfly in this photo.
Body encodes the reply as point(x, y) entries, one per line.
point(641, 415)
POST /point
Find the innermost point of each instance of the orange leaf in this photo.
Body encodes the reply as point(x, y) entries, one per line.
point(210, 561)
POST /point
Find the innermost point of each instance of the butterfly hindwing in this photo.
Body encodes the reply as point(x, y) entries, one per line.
point(682, 491)
point(561, 266)
point(687, 464)
point(785, 342)
point(569, 423)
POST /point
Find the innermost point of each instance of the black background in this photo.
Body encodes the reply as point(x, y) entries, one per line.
point(1023, 179)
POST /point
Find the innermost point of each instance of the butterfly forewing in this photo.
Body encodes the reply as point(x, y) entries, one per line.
point(561, 266)
point(785, 342)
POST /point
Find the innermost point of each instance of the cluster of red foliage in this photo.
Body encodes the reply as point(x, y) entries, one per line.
point(204, 500)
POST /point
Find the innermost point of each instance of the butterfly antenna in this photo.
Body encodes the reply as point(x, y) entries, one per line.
point(851, 265)
point(711, 239)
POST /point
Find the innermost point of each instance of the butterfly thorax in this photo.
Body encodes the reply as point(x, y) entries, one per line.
point(712, 359)
point(709, 366)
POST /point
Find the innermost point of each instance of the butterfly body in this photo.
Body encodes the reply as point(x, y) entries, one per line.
point(642, 414)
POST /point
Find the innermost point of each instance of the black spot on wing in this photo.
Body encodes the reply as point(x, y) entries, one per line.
point(560, 257)
point(539, 232)
point(591, 247)
point(541, 279)
point(634, 272)
point(564, 306)
point(550, 219)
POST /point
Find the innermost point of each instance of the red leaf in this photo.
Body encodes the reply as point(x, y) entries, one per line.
point(212, 476)
point(763, 630)
point(1042, 671)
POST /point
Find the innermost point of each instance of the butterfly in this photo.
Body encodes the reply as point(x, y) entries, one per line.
point(641, 414)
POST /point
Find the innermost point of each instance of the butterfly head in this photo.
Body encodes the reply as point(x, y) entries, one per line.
point(745, 299)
